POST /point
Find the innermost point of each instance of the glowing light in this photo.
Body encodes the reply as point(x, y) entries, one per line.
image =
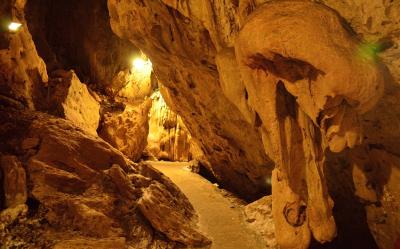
point(141, 69)
point(142, 65)
point(14, 26)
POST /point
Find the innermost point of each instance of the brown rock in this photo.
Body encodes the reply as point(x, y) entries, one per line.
point(238, 162)
point(157, 205)
point(168, 137)
point(86, 192)
point(127, 131)
point(22, 71)
point(30, 143)
point(122, 182)
point(260, 219)
point(87, 243)
point(72, 100)
point(309, 108)
point(14, 181)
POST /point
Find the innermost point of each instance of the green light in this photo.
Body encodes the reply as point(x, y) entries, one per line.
point(369, 51)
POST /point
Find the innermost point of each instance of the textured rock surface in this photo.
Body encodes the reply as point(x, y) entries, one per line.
point(14, 181)
point(22, 71)
point(82, 191)
point(127, 131)
point(169, 37)
point(68, 98)
point(259, 216)
point(310, 80)
point(168, 137)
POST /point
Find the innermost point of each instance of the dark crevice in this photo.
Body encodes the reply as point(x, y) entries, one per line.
point(286, 105)
point(33, 206)
point(77, 35)
point(246, 94)
point(207, 173)
point(287, 68)
point(258, 121)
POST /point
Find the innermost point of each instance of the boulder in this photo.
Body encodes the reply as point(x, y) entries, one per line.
point(71, 99)
point(127, 131)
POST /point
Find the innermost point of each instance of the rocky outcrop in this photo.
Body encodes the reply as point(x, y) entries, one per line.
point(83, 192)
point(168, 137)
point(68, 98)
point(127, 131)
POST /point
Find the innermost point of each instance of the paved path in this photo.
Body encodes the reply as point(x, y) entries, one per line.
point(220, 218)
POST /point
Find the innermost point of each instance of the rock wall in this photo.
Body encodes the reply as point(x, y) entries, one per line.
point(22, 71)
point(168, 137)
point(312, 78)
point(77, 35)
point(127, 127)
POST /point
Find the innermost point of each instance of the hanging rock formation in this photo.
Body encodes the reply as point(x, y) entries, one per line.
point(307, 103)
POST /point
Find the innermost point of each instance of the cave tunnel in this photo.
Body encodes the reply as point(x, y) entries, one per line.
point(145, 124)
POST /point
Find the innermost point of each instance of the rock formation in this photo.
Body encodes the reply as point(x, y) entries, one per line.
point(22, 71)
point(67, 97)
point(83, 193)
point(168, 137)
point(312, 104)
point(128, 130)
point(259, 216)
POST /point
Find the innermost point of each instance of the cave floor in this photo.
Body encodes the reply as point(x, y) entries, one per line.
point(220, 215)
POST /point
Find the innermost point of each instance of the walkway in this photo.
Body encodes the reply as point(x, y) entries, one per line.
point(220, 218)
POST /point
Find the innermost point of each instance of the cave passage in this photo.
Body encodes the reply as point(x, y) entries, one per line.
point(160, 124)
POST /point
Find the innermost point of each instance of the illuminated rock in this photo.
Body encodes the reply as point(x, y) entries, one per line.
point(168, 137)
point(127, 131)
point(71, 99)
point(22, 71)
